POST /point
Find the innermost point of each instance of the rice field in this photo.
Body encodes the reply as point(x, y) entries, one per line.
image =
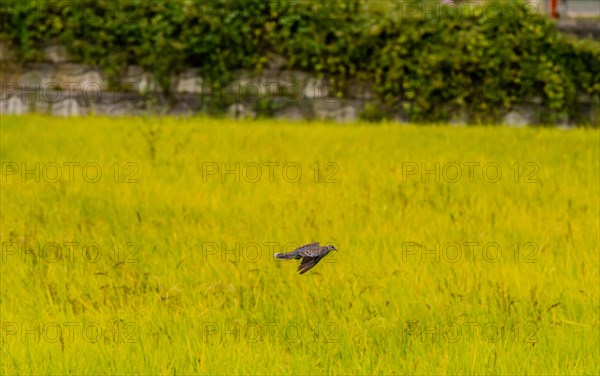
point(145, 246)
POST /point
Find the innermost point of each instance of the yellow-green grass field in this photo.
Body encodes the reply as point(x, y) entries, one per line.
point(145, 246)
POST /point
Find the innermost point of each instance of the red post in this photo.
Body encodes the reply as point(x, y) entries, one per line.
point(554, 9)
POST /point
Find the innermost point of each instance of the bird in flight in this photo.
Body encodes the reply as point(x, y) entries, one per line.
point(310, 254)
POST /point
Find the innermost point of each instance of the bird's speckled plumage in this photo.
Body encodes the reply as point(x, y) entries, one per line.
point(310, 254)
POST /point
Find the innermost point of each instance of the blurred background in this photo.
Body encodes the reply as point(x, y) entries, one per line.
point(459, 61)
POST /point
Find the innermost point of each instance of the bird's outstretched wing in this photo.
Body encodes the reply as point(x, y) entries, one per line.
point(313, 252)
point(308, 262)
point(298, 252)
point(307, 247)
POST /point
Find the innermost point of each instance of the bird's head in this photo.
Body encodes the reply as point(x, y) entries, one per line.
point(331, 248)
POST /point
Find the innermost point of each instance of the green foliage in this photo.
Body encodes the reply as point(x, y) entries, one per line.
point(372, 112)
point(422, 56)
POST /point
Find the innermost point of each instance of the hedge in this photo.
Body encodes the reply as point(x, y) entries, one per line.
point(419, 55)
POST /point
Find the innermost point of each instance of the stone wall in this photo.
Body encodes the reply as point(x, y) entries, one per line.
point(62, 88)
point(582, 28)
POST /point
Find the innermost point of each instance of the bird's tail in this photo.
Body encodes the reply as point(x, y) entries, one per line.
point(285, 256)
